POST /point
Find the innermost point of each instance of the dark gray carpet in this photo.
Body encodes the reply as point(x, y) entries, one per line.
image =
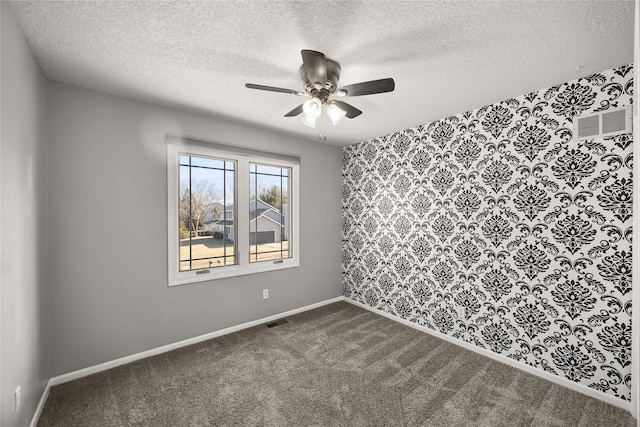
point(337, 365)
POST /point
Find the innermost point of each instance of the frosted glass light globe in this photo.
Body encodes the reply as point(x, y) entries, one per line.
point(312, 108)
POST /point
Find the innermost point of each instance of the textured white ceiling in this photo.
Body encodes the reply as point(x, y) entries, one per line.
point(446, 56)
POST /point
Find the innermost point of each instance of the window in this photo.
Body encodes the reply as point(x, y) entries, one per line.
point(231, 211)
point(206, 191)
point(268, 212)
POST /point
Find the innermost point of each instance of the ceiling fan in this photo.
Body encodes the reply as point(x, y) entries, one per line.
point(320, 77)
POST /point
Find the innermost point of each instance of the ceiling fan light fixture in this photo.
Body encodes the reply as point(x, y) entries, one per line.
point(308, 121)
point(320, 76)
point(312, 108)
point(335, 113)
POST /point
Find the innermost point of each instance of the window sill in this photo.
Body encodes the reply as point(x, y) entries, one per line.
point(231, 271)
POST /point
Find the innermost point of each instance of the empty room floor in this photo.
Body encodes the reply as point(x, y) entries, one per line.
point(337, 365)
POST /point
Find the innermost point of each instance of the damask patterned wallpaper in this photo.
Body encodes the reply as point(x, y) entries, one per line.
point(495, 227)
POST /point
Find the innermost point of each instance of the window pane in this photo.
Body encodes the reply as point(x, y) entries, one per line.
point(268, 170)
point(207, 236)
point(207, 163)
point(269, 213)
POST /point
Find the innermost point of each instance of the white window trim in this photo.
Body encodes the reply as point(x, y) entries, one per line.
point(242, 157)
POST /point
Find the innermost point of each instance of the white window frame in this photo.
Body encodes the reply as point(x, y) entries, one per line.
point(180, 145)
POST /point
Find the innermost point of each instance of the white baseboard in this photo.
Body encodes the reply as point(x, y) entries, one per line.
point(500, 358)
point(40, 407)
point(60, 379)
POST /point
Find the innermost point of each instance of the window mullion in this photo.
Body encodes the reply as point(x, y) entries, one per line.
point(242, 214)
point(190, 218)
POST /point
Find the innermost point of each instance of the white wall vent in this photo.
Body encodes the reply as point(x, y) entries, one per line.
point(605, 123)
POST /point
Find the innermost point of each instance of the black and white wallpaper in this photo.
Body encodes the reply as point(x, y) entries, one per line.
point(495, 227)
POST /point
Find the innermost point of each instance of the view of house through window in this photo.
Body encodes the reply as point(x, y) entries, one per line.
point(206, 212)
point(269, 222)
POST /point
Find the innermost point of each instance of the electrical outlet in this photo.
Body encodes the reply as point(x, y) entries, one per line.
point(461, 312)
point(265, 293)
point(17, 398)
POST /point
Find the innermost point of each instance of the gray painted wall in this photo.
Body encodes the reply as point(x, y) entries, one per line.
point(24, 322)
point(108, 230)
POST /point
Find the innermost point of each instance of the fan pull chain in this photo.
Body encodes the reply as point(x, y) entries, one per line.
point(323, 121)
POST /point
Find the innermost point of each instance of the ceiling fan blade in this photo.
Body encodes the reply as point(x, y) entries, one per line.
point(296, 111)
point(349, 109)
point(274, 89)
point(369, 88)
point(315, 65)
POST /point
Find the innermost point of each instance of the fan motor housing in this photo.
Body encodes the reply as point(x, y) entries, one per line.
point(333, 75)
